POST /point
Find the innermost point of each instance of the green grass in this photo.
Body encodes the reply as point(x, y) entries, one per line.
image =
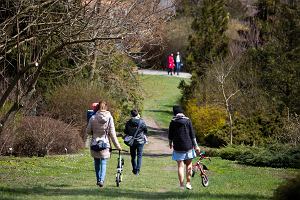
point(161, 93)
point(72, 177)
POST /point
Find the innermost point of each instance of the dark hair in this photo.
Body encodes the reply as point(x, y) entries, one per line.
point(134, 112)
point(177, 109)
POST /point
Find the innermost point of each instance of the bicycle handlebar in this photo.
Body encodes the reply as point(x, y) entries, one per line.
point(119, 150)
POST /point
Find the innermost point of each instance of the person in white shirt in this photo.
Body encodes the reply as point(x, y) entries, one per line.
point(178, 63)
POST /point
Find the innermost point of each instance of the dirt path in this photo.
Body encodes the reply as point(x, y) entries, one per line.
point(158, 137)
point(158, 140)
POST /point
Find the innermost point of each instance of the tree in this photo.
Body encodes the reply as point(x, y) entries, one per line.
point(33, 32)
point(277, 59)
point(207, 41)
point(228, 86)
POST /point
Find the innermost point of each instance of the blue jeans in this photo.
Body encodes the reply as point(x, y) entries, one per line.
point(100, 168)
point(178, 66)
point(136, 151)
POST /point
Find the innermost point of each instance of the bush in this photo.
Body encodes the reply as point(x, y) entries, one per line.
point(277, 155)
point(288, 190)
point(39, 136)
point(206, 120)
point(233, 152)
point(70, 102)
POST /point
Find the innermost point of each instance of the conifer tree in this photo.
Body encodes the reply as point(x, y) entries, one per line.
point(208, 40)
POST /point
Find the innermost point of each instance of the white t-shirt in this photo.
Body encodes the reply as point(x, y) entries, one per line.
point(178, 59)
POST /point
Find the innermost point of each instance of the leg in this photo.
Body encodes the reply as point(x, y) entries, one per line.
point(189, 165)
point(178, 67)
point(180, 165)
point(139, 157)
point(133, 155)
point(103, 163)
point(97, 168)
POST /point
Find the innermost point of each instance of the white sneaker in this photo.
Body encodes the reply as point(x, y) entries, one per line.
point(181, 187)
point(188, 186)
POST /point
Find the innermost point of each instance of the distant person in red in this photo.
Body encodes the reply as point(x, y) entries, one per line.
point(170, 64)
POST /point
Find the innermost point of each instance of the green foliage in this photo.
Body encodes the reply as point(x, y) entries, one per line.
point(290, 189)
point(205, 119)
point(257, 129)
point(116, 75)
point(209, 39)
point(277, 60)
point(276, 155)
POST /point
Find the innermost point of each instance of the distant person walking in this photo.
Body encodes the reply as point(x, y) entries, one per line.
point(136, 125)
point(178, 63)
point(183, 141)
point(170, 64)
point(101, 127)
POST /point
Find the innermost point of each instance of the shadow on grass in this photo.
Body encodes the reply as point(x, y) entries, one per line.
point(157, 131)
point(110, 192)
point(169, 112)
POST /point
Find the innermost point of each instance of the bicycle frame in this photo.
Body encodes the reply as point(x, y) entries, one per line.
point(120, 165)
point(199, 166)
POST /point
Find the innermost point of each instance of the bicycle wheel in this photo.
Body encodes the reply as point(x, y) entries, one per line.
point(205, 181)
point(118, 179)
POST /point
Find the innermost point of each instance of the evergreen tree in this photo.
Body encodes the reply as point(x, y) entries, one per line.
point(209, 40)
point(278, 58)
point(206, 43)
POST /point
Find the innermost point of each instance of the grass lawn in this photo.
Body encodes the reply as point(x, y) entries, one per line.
point(72, 177)
point(161, 93)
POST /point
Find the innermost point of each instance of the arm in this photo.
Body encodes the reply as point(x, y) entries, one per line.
point(89, 127)
point(193, 137)
point(126, 131)
point(145, 129)
point(170, 135)
point(113, 135)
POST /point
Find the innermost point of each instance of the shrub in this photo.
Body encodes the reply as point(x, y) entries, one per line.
point(206, 120)
point(288, 190)
point(277, 155)
point(70, 102)
point(291, 130)
point(38, 136)
point(255, 130)
point(233, 152)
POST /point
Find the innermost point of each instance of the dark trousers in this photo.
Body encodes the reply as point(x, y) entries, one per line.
point(136, 151)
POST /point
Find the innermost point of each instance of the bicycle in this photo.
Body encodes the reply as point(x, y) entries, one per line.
point(199, 166)
point(120, 165)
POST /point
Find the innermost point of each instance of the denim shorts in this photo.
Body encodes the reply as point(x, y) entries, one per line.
point(183, 155)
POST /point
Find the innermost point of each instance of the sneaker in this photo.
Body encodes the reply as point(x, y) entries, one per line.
point(188, 186)
point(100, 183)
